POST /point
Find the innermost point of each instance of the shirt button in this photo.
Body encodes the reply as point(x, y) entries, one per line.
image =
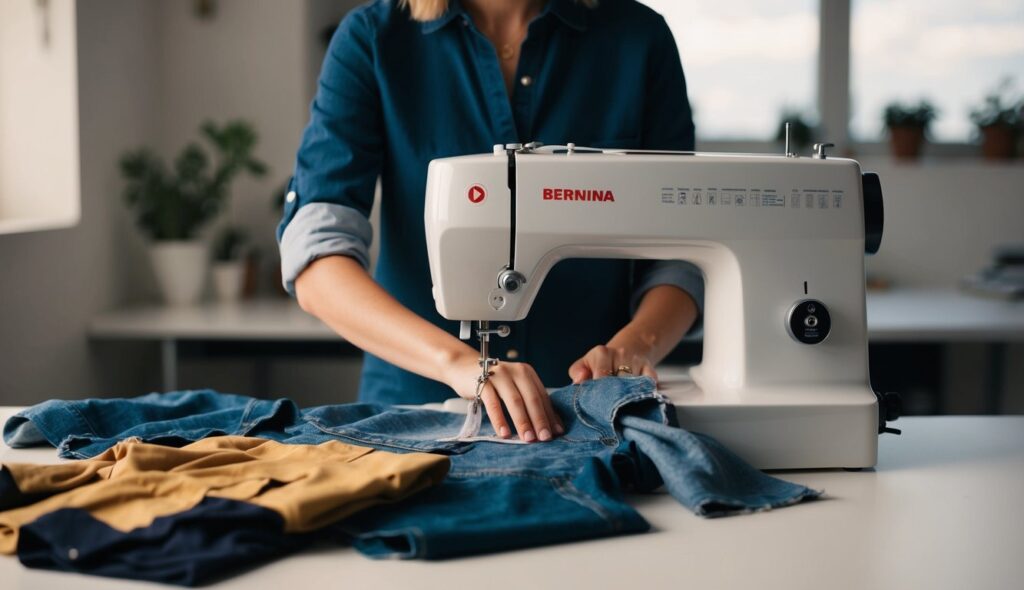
point(512, 354)
point(465, 22)
point(290, 197)
point(526, 80)
point(72, 554)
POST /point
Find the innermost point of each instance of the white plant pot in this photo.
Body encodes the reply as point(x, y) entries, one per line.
point(227, 280)
point(180, 268)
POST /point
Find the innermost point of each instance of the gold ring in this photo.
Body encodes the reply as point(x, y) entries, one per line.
point(624, 369)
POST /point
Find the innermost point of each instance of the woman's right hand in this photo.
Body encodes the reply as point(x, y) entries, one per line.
point(338, 290)
point(515, 386)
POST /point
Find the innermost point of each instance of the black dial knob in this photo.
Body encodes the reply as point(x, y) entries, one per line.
point(809, 322)
point(874, 212)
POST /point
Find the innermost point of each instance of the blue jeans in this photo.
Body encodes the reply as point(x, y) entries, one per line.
point(618, 437)
point(85, 428)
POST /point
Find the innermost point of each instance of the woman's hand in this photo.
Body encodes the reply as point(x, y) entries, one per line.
point(518, 388)
point(606, 360)
point(665, 313)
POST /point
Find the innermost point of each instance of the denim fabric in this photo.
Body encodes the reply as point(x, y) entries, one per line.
point(84, 428)
point(500, 497)
point(618, 437)
point(394, 94)
point(705, 476)
point(217, 538)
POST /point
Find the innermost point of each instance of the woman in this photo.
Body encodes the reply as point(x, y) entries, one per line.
point(404, 83)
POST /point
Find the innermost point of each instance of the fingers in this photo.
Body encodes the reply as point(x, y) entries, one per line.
point(496, 414)
point(513, 400)
point(579, 371)
point(535, 405)
point(642, 366)
point(602, 362)
point(519, 388)
point(553, 417)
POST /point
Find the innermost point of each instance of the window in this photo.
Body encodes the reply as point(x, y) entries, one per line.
point(950, 52)
point(745, 62)
point(39, 152)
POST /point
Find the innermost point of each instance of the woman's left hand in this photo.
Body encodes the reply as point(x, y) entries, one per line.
point(608, 361)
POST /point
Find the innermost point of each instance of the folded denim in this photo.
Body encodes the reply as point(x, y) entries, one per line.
point(81, 429)
point(619, 436)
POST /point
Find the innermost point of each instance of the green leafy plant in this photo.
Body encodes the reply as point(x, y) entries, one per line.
point(801, 131)
point(1000, 107)
point(229, 243)
point(173, 204)
point(919, 116)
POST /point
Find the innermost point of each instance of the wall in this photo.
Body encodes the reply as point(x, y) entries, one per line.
point(943, 218)
point(247, 62)
point(256, 60)
point(259, 60)
point(53, 282)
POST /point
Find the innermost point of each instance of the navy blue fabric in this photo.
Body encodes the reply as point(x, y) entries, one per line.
point(213, 540)
point(395, 94)
point(11, 496)
point(499, 496)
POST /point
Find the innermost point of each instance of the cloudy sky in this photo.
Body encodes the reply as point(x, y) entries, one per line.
point(746, 60)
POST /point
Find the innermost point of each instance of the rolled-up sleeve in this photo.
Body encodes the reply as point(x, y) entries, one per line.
point(331, 193)
point(323, 229)
point(667, 125)
point(677, 273)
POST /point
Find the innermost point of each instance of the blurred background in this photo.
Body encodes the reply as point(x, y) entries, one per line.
point(113, 282)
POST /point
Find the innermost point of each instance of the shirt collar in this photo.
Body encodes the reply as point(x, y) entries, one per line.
point(570, 12)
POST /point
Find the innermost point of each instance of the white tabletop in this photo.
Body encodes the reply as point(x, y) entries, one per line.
point(259, 319)
point(903, 315)
point(942, 510)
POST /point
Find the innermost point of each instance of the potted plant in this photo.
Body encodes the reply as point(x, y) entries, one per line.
point(801, 131)
point(908, 127)
point(172, 205)
point(999, 122)
point(229, 264)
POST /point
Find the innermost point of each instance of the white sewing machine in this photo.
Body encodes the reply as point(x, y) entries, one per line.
point(780, 240)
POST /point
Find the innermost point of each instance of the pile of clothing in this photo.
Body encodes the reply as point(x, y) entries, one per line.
point(189, 486)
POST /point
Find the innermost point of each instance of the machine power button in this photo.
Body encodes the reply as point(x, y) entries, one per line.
point(808, 321)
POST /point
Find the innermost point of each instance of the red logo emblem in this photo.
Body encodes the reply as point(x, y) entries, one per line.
point(476, 193)
point(575, 194)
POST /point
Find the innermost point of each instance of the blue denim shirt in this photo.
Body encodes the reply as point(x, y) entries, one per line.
point(395, 94)
point(497, 496)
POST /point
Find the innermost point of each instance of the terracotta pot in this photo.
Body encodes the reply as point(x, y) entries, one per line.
point(998, 142)
point(251, 283)
point(906, 142)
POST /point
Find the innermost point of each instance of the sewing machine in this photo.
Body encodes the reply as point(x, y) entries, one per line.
point(781, 242)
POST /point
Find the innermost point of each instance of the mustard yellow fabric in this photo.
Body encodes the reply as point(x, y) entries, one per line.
point(310, 486)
